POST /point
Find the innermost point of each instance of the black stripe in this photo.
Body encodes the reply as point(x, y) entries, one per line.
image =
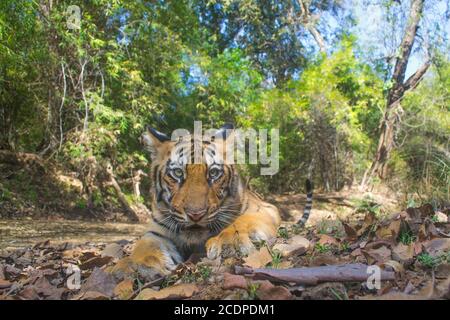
point(158, 235)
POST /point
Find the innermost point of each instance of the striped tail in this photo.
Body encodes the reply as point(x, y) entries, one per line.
point(308, 205)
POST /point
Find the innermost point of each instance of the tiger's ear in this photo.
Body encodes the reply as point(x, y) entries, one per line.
point(153, 140)
point(225, 131)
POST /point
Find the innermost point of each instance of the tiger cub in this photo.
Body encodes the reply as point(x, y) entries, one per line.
point(197, 207)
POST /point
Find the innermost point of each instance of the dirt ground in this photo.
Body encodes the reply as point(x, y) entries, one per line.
point(411, 246)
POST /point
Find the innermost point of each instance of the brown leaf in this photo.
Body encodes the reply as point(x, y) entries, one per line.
point(232, 281)
point(124, 290)
point(297, 245)
point(44, 288)
point(380, 255)
point(2, 272)
point(100, 281)
point(93, 295)
point(259, 258)
point(394, 296)
point(113, 250)
point(436, 247)
point(395, 265)
point(326, 239)
point(403, 253)
point(5, 284)
point(95, 262)
point(350, 231)
point(389, 232)
point(29, 293)
point(268, 291)
point(180, 291)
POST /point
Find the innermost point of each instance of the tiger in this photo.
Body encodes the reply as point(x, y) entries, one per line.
point(196, 207)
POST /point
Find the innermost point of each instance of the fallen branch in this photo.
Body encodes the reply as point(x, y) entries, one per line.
point(356, 272)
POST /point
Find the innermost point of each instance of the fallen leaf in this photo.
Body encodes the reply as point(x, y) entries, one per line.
point(326, 239)
point(267, 291)
point(2, 272)
point(124, 290)
point(395, 265)
point(259, 258)
point(394, 296)
point(29, 293)
point(93, 295)
point(180, 291)
point(44, 288)
point(113, 250)
point(297, 245)
point(380, 255)
point(403, 253)
point(350, 231)
point(100, 281)
point(436, 247)
point(389, 232)
point(5, 284)
point(95, 262)
point(232, 281)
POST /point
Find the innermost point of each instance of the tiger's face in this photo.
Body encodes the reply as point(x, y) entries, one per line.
point(190, 194)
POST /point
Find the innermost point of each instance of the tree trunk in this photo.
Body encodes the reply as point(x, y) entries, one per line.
point(386, 141)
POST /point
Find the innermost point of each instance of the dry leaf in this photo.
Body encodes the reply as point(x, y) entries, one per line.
point(436, 247)
point(232, 281)
point(403, 253)
point(268, 291)
point(100, 281)
point(124, 290)
point(113, 250)
point(180, 291)
point(395, 265)
point(5, 284)
point(258, 259)
point(380, 255)
point(389, 232)
point(326, 239)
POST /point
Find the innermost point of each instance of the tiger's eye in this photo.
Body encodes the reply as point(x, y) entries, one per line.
point(214, 173)
point(177, 172)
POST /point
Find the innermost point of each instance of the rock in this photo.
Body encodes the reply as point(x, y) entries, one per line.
point(441, 217)
point(113, 250)
point(297, 245)
point(232, 281)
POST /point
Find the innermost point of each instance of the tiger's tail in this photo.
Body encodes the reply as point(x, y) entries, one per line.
point(308, 205)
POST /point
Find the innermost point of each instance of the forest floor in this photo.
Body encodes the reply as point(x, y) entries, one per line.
point(344, 228)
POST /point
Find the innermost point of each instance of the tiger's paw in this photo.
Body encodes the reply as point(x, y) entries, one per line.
point(237, 239)
point(146, 261)
point(229, 243)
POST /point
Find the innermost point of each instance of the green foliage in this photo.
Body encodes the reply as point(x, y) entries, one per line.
point(82, 97)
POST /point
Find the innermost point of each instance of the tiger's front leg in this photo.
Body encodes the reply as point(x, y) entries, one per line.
point(152, 256)
point(238, 236)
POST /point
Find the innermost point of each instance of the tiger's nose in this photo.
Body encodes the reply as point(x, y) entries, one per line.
point(196, 215)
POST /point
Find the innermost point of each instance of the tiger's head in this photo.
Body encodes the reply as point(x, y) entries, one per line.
point(193, 189)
